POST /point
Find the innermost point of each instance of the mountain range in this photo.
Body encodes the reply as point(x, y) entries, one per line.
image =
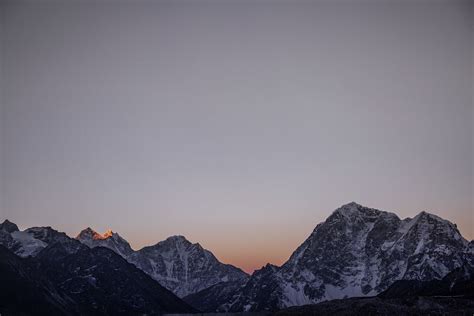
point(46, 272)
point(356, 252)
point(176, 263)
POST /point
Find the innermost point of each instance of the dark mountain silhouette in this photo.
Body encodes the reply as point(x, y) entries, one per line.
point(68, 278)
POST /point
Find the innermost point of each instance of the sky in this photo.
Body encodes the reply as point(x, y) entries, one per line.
point(240, 125)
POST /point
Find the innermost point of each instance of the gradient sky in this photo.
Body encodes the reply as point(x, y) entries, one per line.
point(238, 125)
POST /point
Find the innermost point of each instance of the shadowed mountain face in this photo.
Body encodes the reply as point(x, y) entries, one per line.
point(71, 278)
point(101, 282)
point(184, 267)
point(8, 227)
point(217, 297)
point(176, 263)
point(357, 251)
point(24, 291)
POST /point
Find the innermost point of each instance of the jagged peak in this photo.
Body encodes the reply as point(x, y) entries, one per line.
point(424, 216)
point(424, 220)
point(88, 230)
point(89, 233)
point(7, 222)
point(44, 231)
point(429, 215)
point(8, 226)
point(176, 238)
point(86, 233)
point(268, 268)
point(180, 242)
point(353, 209)
point(40, 228)
point(352, 205)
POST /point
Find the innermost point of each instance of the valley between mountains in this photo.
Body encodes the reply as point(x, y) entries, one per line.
point(356, 252)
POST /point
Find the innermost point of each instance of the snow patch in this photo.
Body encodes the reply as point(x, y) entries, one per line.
point(30, 246)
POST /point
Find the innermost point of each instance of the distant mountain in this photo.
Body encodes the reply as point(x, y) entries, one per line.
point(21, 243)
point(184, 267)
point(177, 264)
point(109, 240)
point(357, 251)
point(73, 279)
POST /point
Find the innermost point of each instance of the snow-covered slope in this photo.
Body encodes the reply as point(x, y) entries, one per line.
point(184, 267)
point(32, 240)
point(358, 251)
point(177, 264)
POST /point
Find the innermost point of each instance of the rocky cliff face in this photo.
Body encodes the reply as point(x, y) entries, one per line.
point(358, 251)
point(184, 267)
point(179, 265)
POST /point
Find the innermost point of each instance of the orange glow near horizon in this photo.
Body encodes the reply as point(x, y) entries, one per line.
point(239, 126)
point(248, 251)
point(251, 250)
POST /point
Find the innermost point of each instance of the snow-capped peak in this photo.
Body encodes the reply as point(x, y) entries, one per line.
point(352, 205)
point(353, 209)
point(89, 233)
point(358, 251)
point(424, 216)
point(353, 213)
point(109, 239)
point(184, 267)
point(176, 239)
point(432, 223)
point(33, 240)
